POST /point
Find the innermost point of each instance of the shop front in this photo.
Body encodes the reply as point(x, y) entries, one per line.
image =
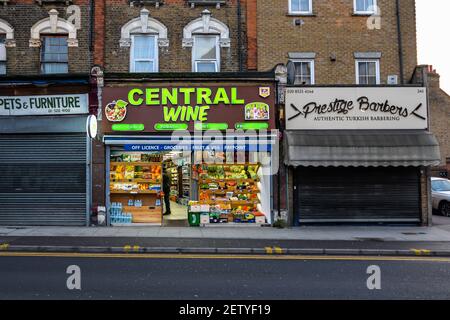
point(44, 153)
point(189, 153)
point(359, 154)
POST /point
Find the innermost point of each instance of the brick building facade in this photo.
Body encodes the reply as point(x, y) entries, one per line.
point(334, 33)
point(23, 52)
point(45, 61)
point(328, 44)
point(174, 15)
point(439, 105)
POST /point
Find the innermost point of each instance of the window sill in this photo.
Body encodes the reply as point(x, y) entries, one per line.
point(363, 14)
point(301, 14)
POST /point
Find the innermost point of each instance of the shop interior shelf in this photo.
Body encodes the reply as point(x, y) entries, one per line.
point(144, 210)
point(142, 164)
point(134, 192)
point(244, 203)
point(225, 191)
point(233, 203)
point(209, 180)
point(257, 165)
point(136, 180)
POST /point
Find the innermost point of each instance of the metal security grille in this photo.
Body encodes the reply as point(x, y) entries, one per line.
point(357, 195)
point(43, 180)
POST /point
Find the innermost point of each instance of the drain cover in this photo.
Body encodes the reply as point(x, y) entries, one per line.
point(371, 239)
point(413, 233)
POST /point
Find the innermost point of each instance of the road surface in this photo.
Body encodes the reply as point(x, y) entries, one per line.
point(43, 276)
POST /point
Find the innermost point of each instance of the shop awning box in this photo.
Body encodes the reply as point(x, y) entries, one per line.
point(361, 148)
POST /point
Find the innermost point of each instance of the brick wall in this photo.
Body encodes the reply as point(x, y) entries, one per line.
point(334, 29)
point(425, 201)
point(175, 15)
point(252, 35)
point(439, 106)
point(22, 15)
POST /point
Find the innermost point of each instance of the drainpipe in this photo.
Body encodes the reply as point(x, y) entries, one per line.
point(91, 29)
point(400, 42)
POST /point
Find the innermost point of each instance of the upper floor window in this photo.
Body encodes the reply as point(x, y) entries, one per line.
point(206, 51)
point(365, 6)
point(2, 54)
point(368, 72)
point(6, 40)
point(300, 6)
point(144, 53)
point(206, 36)
point(304, 71)
point(145, 36)
point(53, 35)
point(54, 55)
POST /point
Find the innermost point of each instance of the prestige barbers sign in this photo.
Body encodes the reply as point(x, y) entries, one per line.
point(43, 105)
point(356, 108)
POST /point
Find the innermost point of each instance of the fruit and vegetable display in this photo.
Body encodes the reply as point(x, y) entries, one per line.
point(116, 111)
point(136, 157)
point(215, 172)
point(131, 172)
point(225, 213)
point(134, 187)
point(228, 193)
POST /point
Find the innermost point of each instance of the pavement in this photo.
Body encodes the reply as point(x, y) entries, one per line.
point(233, 278)
point(353, 240)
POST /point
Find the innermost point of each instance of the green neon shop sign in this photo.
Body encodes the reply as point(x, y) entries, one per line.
point(171, 126)
point(128, 127)
point(252, 126)
point(211, 126)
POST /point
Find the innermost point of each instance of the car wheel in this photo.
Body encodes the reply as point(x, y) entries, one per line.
point(444, 209)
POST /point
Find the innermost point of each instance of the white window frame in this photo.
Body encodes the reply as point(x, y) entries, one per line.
point(377, 68)
point(156, 54)
point(312, 67)
point(5, 59)
point(300, 12)
point(374, 11)
point(216, 61)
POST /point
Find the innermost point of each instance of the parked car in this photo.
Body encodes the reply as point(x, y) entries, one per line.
point(440, 189)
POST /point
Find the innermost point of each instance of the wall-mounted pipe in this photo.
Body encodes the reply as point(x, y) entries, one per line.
point(400, 43)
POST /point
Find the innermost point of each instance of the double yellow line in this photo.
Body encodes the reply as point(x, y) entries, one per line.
point(221, 257)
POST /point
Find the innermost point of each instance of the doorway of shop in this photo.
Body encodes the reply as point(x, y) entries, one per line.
point(176, 188)
point(149, 188)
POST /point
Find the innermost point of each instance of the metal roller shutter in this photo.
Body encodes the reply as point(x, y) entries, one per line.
point(357, 195)
point(43, 180)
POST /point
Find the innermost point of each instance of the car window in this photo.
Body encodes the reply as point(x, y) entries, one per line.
point(440, 185)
